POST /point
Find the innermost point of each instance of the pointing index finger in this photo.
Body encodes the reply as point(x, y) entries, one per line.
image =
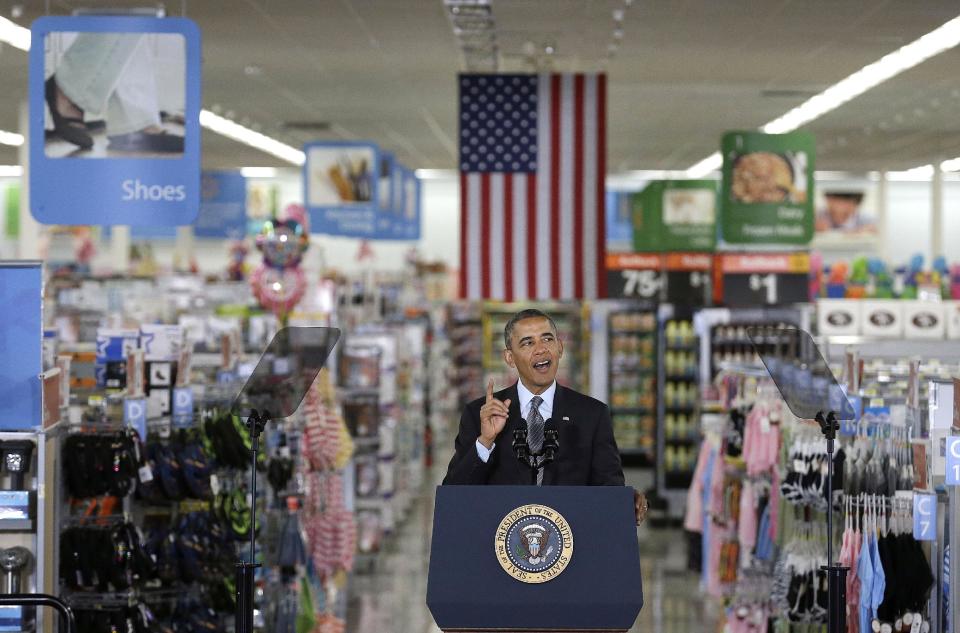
point(490, 390)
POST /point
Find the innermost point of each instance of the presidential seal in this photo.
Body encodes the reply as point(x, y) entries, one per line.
point(534, 543)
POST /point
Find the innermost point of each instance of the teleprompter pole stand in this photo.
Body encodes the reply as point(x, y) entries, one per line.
point(836, 574)
point(246, 569)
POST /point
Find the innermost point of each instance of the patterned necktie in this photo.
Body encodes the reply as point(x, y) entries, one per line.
point(535, 425)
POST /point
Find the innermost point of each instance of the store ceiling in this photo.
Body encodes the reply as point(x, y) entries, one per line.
point(685, 71)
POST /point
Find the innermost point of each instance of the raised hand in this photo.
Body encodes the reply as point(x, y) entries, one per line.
point(493, 417)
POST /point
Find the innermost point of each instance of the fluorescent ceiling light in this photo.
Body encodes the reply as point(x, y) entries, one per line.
point(11, 138)
point(14, 34)
point(231, 129)
point(923, 173)
point(941, 39)
point(258, 172)
point(11, 171)
point(950, 165)
point(711, 163)
point(436, 174)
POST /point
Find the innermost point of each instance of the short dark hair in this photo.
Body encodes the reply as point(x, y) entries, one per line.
point(529, 313)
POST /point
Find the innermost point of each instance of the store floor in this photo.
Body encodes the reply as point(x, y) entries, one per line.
point(392, 598)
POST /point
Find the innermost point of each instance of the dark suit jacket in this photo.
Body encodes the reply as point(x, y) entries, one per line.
point(588, 454)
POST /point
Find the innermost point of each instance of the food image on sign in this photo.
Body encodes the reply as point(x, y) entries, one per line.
point(689, 206)
point(769, 177)
point(340, 175)
point(767, 188)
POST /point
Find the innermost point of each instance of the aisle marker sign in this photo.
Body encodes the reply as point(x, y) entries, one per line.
point(767, 188)
point(953, 460)
point(675, 215)
point(96, 156)
point(182, 406)
point(341, 188)
point(135, 415)
point(924, 517)
point(223, 208)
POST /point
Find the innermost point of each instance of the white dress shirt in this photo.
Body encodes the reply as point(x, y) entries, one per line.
point(546, 411)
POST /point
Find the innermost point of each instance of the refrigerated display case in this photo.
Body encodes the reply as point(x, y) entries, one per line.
point(678, 435)
point(632, 380)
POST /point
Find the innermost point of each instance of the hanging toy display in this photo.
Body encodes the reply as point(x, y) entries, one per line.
point(236, 269)
point(84, 248)
point(279, 283)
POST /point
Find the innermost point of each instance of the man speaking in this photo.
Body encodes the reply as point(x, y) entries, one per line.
point(587, 455)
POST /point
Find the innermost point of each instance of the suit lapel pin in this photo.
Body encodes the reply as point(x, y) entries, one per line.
point(566, 418)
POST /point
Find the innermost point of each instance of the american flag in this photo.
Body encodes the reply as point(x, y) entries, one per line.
point(532, 166)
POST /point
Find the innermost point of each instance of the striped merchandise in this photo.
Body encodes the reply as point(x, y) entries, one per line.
point(532, 165)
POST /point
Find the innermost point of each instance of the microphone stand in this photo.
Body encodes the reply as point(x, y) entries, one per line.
point(538, 460)
point(836, 574)
point(246, 569)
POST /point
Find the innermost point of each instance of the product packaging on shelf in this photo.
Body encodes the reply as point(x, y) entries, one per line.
point(882, 318)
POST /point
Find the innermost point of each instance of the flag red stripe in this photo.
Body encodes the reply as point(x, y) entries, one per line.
point(485, 243)
point(578, 185)
point(586, 158)
point(463, 234)
point(555, 187)
point(508, 236)
point(531, 236)
point(601, 150)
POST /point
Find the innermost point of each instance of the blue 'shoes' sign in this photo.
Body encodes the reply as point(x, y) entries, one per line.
point(115, 120)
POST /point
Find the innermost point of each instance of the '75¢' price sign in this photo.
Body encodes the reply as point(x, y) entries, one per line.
point(634, 275)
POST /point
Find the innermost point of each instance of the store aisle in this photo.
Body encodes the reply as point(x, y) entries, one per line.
point(393, 597)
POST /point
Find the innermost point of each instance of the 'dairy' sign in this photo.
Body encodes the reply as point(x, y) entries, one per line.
point(115, 120)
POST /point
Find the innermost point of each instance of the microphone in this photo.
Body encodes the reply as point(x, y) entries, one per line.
point(551, 440)
point(520, 448)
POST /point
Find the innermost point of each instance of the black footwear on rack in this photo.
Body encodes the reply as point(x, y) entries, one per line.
point(70, 129)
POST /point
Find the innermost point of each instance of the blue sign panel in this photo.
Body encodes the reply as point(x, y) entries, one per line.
point(135, 415)
point(115, 120)
point(21, 349)
point(182, 406)
point(619, 222)
point(388, 174)
point(389, 196)
point(116, 345)
point(407, 220)
point(341, 188)
point(953, 460)
point(223, 209)
point(924, 517)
